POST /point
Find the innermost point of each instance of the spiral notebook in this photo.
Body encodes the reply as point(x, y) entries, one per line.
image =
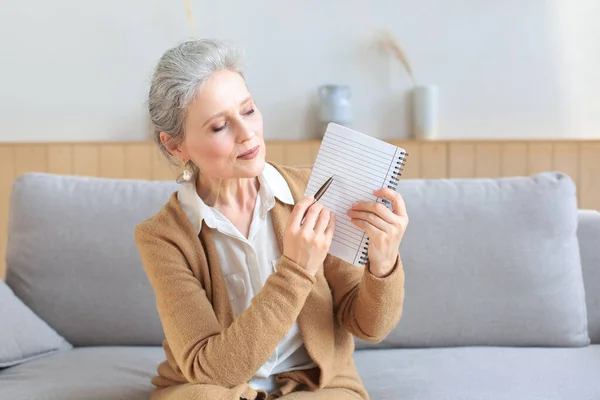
point(359, 164)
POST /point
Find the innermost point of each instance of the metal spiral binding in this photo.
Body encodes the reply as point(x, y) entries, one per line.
point(391, 184)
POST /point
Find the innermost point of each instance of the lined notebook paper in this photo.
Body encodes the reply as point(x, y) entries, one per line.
point(359, 164)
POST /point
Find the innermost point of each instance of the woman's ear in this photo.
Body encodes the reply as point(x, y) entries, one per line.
point(169, 144)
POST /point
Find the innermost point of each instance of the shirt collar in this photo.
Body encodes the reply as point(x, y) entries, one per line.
point(272, 185)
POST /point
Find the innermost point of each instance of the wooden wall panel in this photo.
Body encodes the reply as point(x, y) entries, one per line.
point(513, 159)
point(589, 176)
point(461, 160)
point(565, 158)
point(86, 159)
point(7, 176)
point(314, 149)
point(488, 161)
point(579, 159)
point(138, 161)
point(299, 153)
point(433, 160)
point(60, 159)
point(276, 153)
point(539, 157)
point(412, 166)
point(112, 161)
point(162, 169)
point(30, 158)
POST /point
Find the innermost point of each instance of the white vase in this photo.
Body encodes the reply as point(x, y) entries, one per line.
point(425, 112)
point(334, 105)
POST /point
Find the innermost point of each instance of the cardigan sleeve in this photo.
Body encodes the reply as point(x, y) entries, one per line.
point(205, 352)
point(367, 306)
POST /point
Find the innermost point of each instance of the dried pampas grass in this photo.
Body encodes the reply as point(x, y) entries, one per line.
point(388, 43)
point(190, 18)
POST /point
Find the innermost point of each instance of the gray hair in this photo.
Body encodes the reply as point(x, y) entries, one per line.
point(179, 74)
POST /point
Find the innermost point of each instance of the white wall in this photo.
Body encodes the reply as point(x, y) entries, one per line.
point(74, 70)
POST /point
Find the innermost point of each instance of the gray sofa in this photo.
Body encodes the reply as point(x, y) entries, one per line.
point(502, 293)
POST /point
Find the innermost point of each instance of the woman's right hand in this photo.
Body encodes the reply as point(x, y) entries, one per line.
point(307, 244)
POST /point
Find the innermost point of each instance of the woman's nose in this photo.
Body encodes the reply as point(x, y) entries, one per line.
point(246, 133)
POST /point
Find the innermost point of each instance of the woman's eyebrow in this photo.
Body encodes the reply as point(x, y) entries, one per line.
point(246, 100)
point(225, 112)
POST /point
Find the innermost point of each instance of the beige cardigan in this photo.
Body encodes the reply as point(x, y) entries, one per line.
point(206, 345)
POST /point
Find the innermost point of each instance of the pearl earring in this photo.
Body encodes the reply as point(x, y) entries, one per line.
point(188, 172)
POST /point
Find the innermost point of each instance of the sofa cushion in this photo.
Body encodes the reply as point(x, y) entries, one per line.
point(25, 336)
point(71, 256)
point(107, 373)
point(491, 262)
point(476, 373)
point(589, 244)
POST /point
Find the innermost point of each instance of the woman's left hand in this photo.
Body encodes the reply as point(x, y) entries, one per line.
point(384, 227)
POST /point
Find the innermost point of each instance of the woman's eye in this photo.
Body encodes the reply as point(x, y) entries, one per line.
point(218, 128)
point(249, 112)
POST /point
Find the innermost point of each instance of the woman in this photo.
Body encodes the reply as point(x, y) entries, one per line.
point(251, 304)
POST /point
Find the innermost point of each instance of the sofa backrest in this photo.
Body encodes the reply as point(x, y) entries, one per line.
point(72, 258)
point(589, 244)
point(491, 262)
point(482, 258)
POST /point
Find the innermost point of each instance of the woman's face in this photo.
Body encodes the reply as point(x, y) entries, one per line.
point(222, 126)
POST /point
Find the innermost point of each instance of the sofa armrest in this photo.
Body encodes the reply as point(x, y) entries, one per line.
point(588, 233)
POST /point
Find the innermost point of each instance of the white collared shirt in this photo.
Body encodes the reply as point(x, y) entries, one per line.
point(248, 262)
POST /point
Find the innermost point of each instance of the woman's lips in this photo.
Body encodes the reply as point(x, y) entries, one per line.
point(250, 154)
